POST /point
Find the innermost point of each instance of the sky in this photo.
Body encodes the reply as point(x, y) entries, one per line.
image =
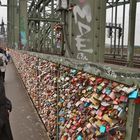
point(3, 14)
point(3, 11)
point(119, 19)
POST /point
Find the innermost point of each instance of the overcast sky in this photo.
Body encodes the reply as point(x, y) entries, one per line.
point(3, 11)
point(3, 14)
point(119, 19)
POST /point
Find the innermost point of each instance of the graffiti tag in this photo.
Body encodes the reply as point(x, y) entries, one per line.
point(84, 29)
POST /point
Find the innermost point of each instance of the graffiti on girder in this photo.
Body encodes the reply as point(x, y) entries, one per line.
point(84, 28)
point(23, 36)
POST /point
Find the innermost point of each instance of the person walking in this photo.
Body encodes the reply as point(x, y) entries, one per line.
point(3, 63)
point(5, 109)
point(8, 54)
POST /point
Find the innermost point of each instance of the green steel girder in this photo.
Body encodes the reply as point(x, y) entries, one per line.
point(3, 5)
point(45, 4)
point(44, 35)
point(31, 6)
point(43, 19)
point(35, 13)
point(39, 15)
point(36, 6)
point(39, 3)
point(120, 3)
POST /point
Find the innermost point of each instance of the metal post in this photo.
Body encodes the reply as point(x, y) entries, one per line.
point(70, 30)
point(116, 10)
point(96, 31)
point(123, 25)
point(13, 23)
point(132, 121)
point(43, 48)
point(69, 52)
point(131, 33)
point(33, 37)
point(52, 26)
point(101, 29)
point(10, 16)
point(23, 24)
point(58, 99)
point(16, 23)
point(29, 41)
point(8, 25)
point(11, 35)
point(119, 38)
point(112, 15)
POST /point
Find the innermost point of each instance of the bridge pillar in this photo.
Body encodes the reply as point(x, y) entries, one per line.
point(10, 22)
point(16, 23)
point(23, 22)
point(131, 33)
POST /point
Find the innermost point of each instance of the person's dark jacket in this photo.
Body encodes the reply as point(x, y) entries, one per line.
point(5, 106)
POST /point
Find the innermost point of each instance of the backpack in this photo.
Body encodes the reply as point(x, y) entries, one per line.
point(1, 61)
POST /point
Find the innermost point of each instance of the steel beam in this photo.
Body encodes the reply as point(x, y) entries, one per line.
point(119, 4)
point(16, 23)
point(10, 16)
point(132, 121)
point(52, 26)
point(123, 25)
point(23, 18)
point(31, 6)
point(101, 28)
point(43, 19)
point(39, 15)
point(8, 25)
point(45, 4)
point(131, 33)
point(115, 33)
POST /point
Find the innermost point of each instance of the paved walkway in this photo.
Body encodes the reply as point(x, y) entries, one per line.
point(25, 122)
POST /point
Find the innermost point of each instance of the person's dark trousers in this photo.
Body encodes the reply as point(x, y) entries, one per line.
point(3, 75)
point(5, 128)
point(6, 133)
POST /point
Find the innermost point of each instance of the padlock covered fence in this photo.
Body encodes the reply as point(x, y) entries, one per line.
point(74, 101)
